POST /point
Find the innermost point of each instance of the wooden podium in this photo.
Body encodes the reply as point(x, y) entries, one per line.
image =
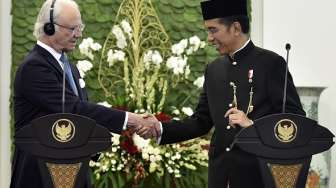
point(63, 145)
point(284, 145)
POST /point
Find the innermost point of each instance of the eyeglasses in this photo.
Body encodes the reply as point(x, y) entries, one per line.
point(213, 30)
point(77, 28)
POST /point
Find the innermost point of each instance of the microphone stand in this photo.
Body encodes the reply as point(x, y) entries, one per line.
point(288, 47)
point(63, 88)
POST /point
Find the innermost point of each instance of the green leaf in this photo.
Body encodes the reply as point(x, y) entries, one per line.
point(193, 4)
point(105, 2)
point(93, 83)
point(28, 46)
point(19, 32)
point(164, 9)
point(20, 22)
point(31, 19)
point(166, 2)
point(191, 15)
point(17, 4)
point(177, 3)
point(21, 40)
point(103, 18)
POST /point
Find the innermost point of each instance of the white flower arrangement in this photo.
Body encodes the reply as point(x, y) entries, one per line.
point(131, 153)
point(173, 159)
point(152, 60)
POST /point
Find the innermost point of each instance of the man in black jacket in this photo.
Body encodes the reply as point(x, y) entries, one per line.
point(245, 84)
point(38, 84)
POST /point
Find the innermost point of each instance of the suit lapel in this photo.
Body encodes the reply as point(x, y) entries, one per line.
point(50, 59)
point(54, 63)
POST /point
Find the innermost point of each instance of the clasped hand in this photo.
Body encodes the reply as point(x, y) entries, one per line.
point(238, 117)
point(145, 125)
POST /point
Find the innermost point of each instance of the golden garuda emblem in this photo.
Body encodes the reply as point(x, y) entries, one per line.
point(63, 130)
point(285, 130)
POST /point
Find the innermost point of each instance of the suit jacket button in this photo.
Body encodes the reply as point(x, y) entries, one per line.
point(228, 127)
point(234, 63)
point(227, 149)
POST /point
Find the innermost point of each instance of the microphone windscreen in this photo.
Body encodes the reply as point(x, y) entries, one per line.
point(288, 46)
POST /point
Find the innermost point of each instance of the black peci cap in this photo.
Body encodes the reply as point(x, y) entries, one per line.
point(223, 8)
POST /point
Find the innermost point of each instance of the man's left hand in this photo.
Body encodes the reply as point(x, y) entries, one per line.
point(238, 117)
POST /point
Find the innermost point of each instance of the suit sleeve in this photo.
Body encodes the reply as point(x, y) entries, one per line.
point(197, 125)
point(276, 80)
point(41, 87)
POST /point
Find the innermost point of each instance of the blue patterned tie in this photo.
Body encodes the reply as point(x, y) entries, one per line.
point(68, 73)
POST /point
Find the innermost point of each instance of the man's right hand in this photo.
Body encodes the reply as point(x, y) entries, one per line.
point(152, 128)
point(146, 126)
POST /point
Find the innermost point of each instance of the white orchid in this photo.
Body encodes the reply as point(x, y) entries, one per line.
point(152, 57)
point(195, 43)
point(187, 111)
point(139, 142)
point(115, 56)
point(199, 82)
point(96, 46)
point(148, 56)
point(176, 112)
point(84, 66)
point(157, 58)
point(178, 49)
point(127, 28)
point(177, 64)
point(88, 46)
point(81, 83)
point(120, 36)
point(190, 51)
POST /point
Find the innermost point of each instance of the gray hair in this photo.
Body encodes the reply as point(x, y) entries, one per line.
point(44, 15)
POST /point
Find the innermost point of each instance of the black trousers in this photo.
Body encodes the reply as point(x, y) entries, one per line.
point(234, 169)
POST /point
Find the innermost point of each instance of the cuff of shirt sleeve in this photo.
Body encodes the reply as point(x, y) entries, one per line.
point(125, 121)
point(159, 138)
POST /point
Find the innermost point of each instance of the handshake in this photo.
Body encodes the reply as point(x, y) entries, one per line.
point(145, 125)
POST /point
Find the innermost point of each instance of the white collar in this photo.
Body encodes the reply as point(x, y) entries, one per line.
point(242, 47)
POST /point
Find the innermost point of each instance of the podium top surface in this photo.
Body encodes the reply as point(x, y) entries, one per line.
point(285, 136)
point(63, 136)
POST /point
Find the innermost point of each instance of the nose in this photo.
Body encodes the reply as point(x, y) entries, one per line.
point(210, 37)
point(77, 33)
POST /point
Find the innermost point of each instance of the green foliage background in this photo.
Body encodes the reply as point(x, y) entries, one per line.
point(181, 19)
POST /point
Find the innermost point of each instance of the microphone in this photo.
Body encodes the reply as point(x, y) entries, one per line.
point(288, 47)
point(63, 87)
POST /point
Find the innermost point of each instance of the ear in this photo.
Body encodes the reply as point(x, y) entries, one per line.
point(236, 28)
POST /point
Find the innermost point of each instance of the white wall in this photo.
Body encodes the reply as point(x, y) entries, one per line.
point(5, 62)
point(310, 27)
